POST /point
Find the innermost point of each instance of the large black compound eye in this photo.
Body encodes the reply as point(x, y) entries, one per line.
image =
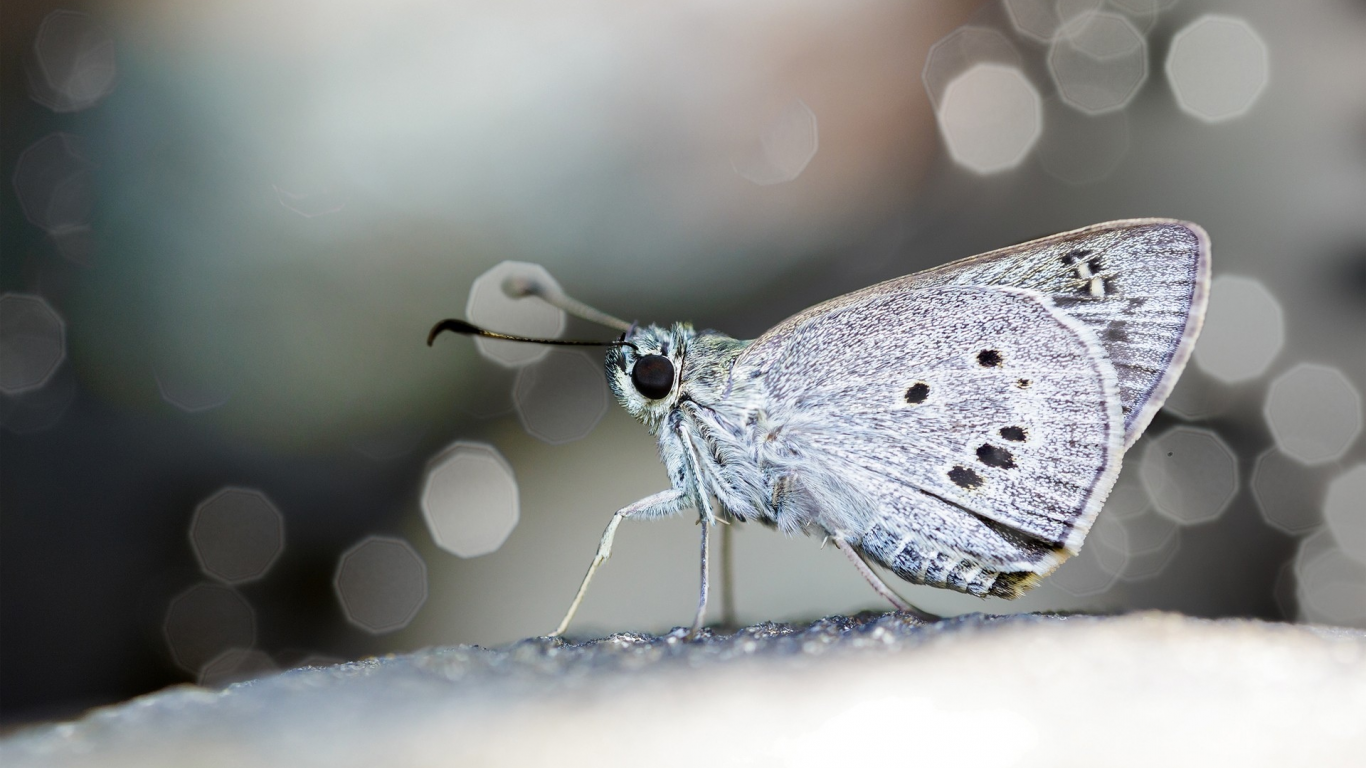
point(653, 376)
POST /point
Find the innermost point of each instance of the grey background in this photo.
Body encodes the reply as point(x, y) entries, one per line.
point(598, 140)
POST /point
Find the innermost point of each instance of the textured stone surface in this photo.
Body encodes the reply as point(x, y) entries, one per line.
point(1141, 689)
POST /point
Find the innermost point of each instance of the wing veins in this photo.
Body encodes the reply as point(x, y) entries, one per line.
point(994, 525)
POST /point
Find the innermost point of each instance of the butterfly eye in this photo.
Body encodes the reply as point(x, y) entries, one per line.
point(653, 376)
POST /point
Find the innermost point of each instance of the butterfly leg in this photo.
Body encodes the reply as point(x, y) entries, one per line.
point(878, 585)
point(660, 504)
point(702, 598)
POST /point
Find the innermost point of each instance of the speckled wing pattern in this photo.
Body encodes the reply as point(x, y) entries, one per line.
point(979, 427)
point(1141, 285)
point(977, 413)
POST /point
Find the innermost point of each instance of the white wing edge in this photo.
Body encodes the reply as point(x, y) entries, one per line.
point(1195, 320)
point(1114, 449)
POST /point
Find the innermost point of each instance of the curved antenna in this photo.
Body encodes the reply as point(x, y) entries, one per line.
point(470, 329)
point(524, 286)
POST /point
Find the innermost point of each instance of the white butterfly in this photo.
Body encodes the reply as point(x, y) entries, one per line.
point(961, 426)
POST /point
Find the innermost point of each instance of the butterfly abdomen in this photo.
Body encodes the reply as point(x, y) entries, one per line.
point(918, 564)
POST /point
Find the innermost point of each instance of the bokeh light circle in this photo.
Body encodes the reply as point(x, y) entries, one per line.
point(32, 343)
point(1098, 62)
point(1244, 330)
point(1218, 67)
point(75, 66)
point(381, 583)
point(991, 118)
point(1190, 474)
point(237, 535)
point(1314, 412)
point(562, 397)
point(204, 621)
point(470, 499)
point(1344, 509)
point(496, 304)
point(786, 146)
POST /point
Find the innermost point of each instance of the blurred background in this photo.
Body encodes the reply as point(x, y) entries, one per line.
point(228, 227)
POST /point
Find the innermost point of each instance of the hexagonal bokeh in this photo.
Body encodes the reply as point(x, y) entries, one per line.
point(786, 147)
point(1286, 492)
point(496, 304)
point(991, 117)
point(1190, 474)
point(39, 409)
point(1102, 559)
point(1098, 62)
point(204, 621)
point(1314, 412)
point(237, 535)
point(235, 665)
point(562, 397)
point(1217, 66)
point(381, 583)
point(1042, 20)
point(470, 499)
point(32, 343)
point(1331, 585)
point(1244, 330)
point(73, 65)
point(1344, 509)
point(53, 181)
point(1079, 148)
point(958, 51)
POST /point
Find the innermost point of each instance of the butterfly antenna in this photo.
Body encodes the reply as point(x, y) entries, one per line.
point(552, 295)
point(470, 329)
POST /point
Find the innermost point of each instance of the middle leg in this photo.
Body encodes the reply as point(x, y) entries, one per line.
point(879, 585)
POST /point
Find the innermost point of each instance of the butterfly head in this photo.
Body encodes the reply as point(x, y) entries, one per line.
point(645, 370)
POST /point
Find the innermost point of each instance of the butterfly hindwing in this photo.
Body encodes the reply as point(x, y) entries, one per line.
point(980, 427)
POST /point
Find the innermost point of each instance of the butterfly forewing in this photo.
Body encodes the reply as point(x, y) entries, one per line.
point(980, 426)
point(1140, 285)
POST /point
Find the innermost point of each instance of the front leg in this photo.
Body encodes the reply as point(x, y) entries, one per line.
point(660, 504)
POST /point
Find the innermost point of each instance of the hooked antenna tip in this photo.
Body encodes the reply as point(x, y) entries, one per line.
point(453, 325)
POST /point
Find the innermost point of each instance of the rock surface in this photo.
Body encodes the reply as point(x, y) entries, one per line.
point(1142, 689)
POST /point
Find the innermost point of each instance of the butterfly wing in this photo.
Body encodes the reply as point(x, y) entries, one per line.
point(1140, 285)
point(963, 436)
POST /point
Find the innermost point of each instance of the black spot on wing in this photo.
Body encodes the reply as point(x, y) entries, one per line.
point(965, 478)
point(989, 358)
point(1013, 434)
point(1075, 256)
point(917, 393)
point(1062, 301)
point(1022, 383)
point(995, 456)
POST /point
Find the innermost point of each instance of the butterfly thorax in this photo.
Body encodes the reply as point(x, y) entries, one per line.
point(702, 421)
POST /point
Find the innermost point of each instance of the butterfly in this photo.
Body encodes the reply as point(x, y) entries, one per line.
point(960, 426)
